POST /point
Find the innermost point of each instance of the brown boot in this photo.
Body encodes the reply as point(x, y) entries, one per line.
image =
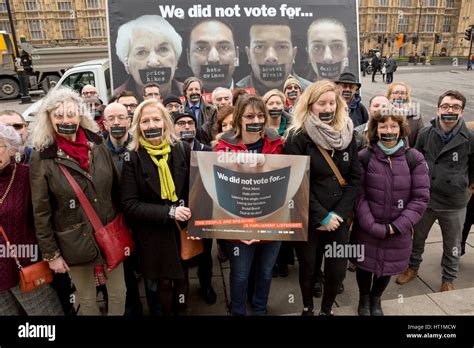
point(407, 276)
point(447, 286)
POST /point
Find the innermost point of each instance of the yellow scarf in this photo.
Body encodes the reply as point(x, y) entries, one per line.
point(168, 190)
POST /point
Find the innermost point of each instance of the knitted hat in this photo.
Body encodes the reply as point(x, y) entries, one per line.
point(178, 115)
point(291, 80)
point(172, 99)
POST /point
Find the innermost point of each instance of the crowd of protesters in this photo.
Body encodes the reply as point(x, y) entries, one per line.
point(398, 177)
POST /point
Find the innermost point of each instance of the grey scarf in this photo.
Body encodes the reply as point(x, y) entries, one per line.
point(326, 136)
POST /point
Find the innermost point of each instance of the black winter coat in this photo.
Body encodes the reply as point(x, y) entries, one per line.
point(158, 242)
point(451, 165)
point(326, 194)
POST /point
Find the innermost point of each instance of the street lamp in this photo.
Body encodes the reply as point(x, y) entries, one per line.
point(25, 94)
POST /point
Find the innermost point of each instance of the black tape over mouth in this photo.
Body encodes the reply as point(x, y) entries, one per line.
point(67, 129)
point(118, 131)
point(254, 127)
point(187, 135)
point(275, 112)
point(449, 117)
point(214, 73)
point(326, 116)
point(160, 76)
point(272, 72)
point(388, 137)
point(153, 133)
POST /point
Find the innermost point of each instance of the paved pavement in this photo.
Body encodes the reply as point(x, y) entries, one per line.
point(419, 297)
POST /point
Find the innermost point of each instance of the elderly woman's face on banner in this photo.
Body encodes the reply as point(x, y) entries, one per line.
point(151, 58)
point(327, 49)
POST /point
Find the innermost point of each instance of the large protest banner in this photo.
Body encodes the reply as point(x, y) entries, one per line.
point(252, 43)
point(249, 196)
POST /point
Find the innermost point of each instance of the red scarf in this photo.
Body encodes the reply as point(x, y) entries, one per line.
point(79, 150)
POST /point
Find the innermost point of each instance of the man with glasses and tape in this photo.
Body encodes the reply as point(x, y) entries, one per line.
point(16, 120)
point(448, 147)
point(185, 128)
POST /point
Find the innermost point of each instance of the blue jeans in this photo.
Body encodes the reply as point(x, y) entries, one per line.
point(241, 257)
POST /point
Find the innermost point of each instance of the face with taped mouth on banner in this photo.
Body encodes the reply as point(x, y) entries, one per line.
point(327, 48)
point(149, 47)
point(212, 54)
point(245, 185)
point(271, 55)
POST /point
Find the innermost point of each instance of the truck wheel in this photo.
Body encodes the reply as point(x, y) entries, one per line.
point(53, 80)
point(9, 89)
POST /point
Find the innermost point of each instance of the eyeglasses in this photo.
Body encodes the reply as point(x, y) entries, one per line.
point(399, 93)
point(296, 88)
point(250, 117)
point(113, 118)
point(131, 106)
point(185, 123)
point(446, 107)
point(60, 117)
point(89, 93)
point(18, 126)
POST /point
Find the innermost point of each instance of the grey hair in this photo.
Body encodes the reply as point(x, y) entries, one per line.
point(11, 138)
point(43, 132)
point(219, 89)
point(151, 23)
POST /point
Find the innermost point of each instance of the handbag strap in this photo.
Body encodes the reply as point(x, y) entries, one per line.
point(333, 166)
point(2, 231)
point(86, 205)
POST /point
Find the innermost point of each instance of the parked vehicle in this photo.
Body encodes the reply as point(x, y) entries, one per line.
point(43, 66)
point(93, 72)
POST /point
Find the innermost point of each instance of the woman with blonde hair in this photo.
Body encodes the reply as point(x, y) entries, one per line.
point(279, 119)
point(399, 94)
point(64, 134)
point(155, 184)
point(321, 126)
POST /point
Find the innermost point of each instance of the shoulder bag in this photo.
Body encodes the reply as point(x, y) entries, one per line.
point(114, 240)
point(339, 177)
point(32, 276)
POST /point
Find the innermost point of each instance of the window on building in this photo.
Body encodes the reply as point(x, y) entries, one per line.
point(91, 4)
point(36, 28)
point(32, 6)
point(450, 3)
point(3, 6)
point(383, 2)
point(403, 24)
point(429, 24)
point(68, 29)
point(64, 6)
point(97, 27)
point(380, 24)
point(431, 3)
point(5, 25)
point(447, 24)
point(405, 3)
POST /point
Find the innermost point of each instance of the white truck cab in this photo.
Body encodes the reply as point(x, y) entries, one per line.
point(93, 72)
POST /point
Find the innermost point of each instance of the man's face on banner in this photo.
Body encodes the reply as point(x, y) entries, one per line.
point(327, 49)
point(212, 54)
point(151, 52)
point(271, 54)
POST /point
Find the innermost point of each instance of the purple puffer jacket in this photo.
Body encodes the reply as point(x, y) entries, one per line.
point(389, 195)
